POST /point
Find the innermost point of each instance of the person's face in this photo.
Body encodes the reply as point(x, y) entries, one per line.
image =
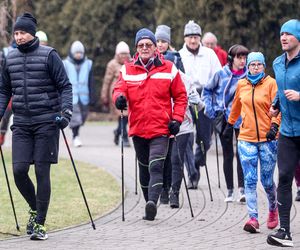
point(239, 62)
point(78, 55)
point(43, 43)
point(288, 42)
point(209, 42)
point(22, 37)
point(123, 57)
point(146, 49)
point(193, 42)
point(162, 45)
point(256, 67)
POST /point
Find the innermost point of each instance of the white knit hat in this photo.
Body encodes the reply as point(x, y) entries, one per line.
point(122, 47)
point(192, 28)
point(77, 46)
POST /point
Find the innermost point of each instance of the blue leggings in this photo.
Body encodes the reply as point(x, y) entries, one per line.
point(249, 153)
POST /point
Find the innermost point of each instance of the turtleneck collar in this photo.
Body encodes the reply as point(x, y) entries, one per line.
point(254, 79)
point(193, 51)
point(29, 46)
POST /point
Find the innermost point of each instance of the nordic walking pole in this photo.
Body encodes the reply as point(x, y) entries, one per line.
point(203, 152)
point(9, 191)
point(122, 162)
point(217, 152)
point(184, 180)
point(77, 176)
point(136, 192)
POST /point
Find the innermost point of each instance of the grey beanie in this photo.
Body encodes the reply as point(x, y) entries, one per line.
point(163, 32)
point(192, 28)
point(77, 46)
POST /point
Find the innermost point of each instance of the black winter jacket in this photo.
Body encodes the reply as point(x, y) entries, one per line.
point(36, 79)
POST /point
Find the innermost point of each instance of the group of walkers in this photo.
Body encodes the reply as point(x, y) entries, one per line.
point(164, 95)
point(240, 101)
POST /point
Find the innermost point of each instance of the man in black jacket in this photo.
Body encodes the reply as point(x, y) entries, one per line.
point(35, 78)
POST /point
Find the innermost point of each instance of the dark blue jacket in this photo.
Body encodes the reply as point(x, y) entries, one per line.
point(35, 77)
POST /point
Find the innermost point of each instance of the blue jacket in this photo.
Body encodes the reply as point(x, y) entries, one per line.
point(174, 57)
point(218, 94)
point(79, 77)
point(288, 77)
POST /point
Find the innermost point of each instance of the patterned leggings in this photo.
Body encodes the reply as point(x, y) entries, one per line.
point(250, 153)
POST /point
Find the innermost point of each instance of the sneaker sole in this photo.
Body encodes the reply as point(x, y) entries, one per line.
point(251, 229)
point(174, 205)
point(150, 211)
point(279, 242)
point(35, 237)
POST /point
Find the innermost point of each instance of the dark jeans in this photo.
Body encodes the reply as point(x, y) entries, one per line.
point(168, 167)
point(178, 150)
point(118, 129)
point(228, 155)
point(204, 131)
point(288, 158)
point(189, 158)
point(151, 154)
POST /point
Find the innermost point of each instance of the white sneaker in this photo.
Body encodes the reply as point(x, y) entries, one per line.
point(229, 197)
point(77, 142)
point(242, 197)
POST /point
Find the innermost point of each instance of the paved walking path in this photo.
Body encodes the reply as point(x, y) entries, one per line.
point(216, 225)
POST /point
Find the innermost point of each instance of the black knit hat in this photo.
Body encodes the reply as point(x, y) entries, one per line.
point(27, 23)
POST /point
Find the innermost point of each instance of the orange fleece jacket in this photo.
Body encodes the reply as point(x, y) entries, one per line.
point(253, 104)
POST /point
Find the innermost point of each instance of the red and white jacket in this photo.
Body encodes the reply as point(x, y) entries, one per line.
point(150, 95)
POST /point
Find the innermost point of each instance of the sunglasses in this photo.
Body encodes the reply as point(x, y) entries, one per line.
point(144, 45)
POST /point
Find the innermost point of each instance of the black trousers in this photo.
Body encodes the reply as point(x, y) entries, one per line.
point(288, 158)
point(151, 154)
point(167, 172)
point(178, 150)
point(35, 144)
point(228, 155)
point(118, 129)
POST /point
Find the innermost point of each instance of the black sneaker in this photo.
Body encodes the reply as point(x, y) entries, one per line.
point(164, 196)
point(298, 196)
point(39, 233)
point(150, 211)
point(174, 199)
point(192, 184)
point(31, 222)
point(280, 238)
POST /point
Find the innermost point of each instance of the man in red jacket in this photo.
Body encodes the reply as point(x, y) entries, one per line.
point(157, 101)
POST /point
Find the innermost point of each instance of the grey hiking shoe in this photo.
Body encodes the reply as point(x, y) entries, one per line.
point(39, 233)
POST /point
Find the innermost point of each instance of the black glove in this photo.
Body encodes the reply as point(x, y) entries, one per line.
point(174, 127)
point(271, 135)
point(121, 102)
point(63, 120)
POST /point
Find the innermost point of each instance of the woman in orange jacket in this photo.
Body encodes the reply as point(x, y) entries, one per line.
point(257, 139)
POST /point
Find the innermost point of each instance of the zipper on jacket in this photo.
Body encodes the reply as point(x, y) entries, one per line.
point(255, 117)
point(25, 85)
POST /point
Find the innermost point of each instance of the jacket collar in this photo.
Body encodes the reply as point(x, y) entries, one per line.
point(158, 61)
point(29, 46)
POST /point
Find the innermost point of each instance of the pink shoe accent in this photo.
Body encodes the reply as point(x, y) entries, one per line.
point(272, 221)
point(252, 226)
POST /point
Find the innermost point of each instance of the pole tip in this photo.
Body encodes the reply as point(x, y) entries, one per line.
point(93, 225)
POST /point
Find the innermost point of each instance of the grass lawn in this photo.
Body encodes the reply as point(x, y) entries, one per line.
point(67, 206)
